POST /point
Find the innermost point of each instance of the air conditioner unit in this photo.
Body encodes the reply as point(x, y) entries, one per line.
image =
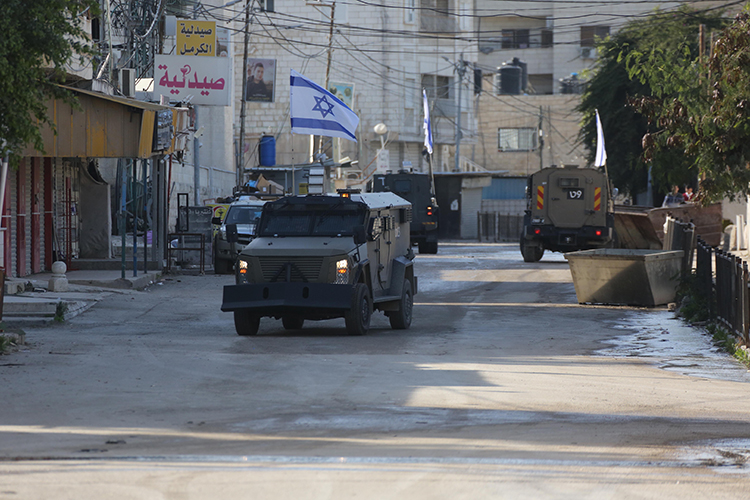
point(127, 82)
point(588, 53)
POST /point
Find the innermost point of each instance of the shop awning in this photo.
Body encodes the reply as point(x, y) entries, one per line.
point(106, 126)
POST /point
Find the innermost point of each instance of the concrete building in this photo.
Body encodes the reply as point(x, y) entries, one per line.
point(379, 58)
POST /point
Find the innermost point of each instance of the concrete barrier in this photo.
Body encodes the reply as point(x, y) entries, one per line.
point(625, 277)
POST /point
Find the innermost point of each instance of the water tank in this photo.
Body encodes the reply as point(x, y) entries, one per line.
point(267, 151)
point(524, 72)
point(510, 79)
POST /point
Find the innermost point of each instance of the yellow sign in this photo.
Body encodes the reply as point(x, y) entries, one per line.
point(196, 38)
point(220, 210)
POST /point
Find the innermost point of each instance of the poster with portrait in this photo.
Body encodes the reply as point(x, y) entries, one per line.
point(261, 75)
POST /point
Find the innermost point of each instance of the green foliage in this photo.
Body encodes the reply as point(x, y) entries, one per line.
point(6, 344)
point(695, 302)
point(60, 310)
point(615, 84)
point(702, 108)
point(39, 38)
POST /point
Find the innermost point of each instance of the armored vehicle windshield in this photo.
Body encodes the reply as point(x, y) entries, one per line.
point(305, 217)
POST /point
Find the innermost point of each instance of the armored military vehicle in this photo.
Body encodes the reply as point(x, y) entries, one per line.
point(567, 209)
point(417, 189)
point(318, 257)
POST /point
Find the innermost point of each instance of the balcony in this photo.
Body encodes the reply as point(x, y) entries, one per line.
point(431, 22)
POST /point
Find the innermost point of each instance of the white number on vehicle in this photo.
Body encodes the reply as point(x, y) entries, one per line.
point(575, 194)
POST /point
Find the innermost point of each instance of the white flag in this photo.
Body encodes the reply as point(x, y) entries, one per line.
point(427, 126)
point(601, 152)
point(315, 111)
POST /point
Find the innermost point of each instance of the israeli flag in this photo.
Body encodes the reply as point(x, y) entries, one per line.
point(315, 111)
point(601, 152)
point(427, 127)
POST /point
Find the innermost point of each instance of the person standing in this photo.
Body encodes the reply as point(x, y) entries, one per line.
point(674, 198)
point(688, 195)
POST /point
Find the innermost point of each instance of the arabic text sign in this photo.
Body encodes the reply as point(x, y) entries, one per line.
point(207, 79)
point(196, 38)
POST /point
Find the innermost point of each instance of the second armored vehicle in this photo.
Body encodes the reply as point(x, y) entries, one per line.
point(567, 209)
point(417, 189)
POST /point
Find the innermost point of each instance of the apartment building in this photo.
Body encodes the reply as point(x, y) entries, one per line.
point(556, 43)
point(378, 57)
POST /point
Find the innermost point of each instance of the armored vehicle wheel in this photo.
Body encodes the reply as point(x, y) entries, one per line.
point(246, 323)
point(401, 319)
point(531, 252)
point(292, 322)
point(358, 317)
point(430, 247)
point(221, 266)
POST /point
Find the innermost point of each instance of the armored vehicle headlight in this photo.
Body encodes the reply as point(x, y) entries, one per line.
point(342, 272)
point(242, 265)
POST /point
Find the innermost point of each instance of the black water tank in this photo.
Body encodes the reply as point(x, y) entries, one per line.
point(510, 79)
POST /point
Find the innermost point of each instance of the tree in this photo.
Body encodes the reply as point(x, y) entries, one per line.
point(703, 108)
point(39, 37)
point(613, 87)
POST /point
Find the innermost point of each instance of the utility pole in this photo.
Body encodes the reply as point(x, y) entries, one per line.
point(196, 147)
point(241, 159)
point(460, 71)
point(540, 131)
point(332, 6)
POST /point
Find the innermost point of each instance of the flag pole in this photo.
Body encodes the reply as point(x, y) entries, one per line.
point(601, 154)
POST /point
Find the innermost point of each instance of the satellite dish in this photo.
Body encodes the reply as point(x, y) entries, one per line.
point(380, 129)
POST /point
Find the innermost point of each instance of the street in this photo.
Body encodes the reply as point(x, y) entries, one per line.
point(504, 387)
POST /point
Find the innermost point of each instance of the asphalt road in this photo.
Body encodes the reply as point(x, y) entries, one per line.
point(499, 390)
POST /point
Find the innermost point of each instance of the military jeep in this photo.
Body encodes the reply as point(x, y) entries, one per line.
point(319, 257)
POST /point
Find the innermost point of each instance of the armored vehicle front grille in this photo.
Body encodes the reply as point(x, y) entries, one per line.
point(300, 269)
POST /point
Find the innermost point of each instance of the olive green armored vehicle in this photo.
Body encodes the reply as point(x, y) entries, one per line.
point(567, 209)
point(319, 257)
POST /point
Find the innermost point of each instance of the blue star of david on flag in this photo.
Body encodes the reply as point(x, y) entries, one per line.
point(315, 111)
point(319, 101)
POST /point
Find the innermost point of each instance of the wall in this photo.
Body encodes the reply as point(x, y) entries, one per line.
point(560, 123)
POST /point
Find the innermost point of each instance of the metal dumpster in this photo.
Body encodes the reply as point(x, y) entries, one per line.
point(624, 276)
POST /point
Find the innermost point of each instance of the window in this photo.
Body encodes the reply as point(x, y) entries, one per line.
point(410, 102)
point(410, 12)
point(547, 38)
point(440, 93)
point(465, 17)
point(516, 39)
point(442, 7)
point(516, 139)
point(266, 5)
point(341, 13)
point(437, 87)
point(436, 16)
point(589, 34)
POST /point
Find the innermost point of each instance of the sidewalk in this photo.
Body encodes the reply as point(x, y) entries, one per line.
point(33, 303)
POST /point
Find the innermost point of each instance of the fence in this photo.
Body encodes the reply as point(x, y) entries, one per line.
point(680, 235)
point(728, 294)
point(494, 227)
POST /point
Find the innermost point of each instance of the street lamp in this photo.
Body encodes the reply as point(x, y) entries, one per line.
point(381, 129)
